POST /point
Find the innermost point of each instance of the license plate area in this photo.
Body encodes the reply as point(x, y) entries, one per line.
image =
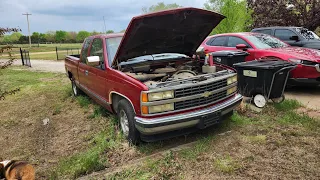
point(210, 119)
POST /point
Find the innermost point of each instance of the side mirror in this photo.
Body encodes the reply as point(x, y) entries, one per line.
point(295, 38)
point(242, 46)
point(93, 60)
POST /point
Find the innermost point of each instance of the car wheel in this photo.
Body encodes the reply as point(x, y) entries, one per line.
point(127, 123)
point(75, 90)
point(259, 100)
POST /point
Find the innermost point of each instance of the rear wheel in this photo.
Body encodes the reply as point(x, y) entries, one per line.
point(126, 119)
point(75, 90)
point(278, 100)
point(259, 100)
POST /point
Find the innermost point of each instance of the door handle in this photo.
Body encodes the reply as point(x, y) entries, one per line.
point(86, 72)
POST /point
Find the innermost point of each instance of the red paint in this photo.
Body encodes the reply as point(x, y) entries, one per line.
point(284, 53)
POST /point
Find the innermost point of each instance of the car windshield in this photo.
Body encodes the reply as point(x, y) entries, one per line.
point(306, 33)
point(264, 41)
point(112, 47)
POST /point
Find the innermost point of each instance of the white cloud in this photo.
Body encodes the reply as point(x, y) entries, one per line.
point(75, 15)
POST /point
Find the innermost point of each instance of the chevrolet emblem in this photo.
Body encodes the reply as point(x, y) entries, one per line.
point(206, 94)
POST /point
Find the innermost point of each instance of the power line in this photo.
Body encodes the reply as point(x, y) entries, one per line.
point(27, 14)
point(105, 28)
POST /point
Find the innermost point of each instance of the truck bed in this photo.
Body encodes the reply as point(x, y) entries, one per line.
point(71, 65)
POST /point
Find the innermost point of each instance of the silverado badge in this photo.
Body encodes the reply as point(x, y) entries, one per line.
point(206, 94)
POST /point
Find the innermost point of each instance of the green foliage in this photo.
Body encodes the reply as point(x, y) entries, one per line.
point(238, 16)
point(226, 164)
point(110, 31)
point(160, 7)
point(61, 36)
point(287, 105)
point(82, 35)
point(83, 101)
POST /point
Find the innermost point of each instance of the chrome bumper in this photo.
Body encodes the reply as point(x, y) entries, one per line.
point(149, 126)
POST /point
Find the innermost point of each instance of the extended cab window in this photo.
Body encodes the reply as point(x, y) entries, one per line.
point(219, 41)
point(112, 47)
point(284, 34)
point(97, 50)
point(84, 52)
point(234, 41)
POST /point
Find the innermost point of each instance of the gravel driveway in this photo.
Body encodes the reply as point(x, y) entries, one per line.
point(309, 97)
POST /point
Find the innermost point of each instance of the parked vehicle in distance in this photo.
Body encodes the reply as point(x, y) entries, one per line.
point(295, 36)
point(265, 46)
point(148, 77)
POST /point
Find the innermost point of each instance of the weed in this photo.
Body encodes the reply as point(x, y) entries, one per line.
point(200, 147)
point(57, 109)
point(287, 105)
point(259, 139)
point(83, 101)
point(240, 120)
point(226, 164)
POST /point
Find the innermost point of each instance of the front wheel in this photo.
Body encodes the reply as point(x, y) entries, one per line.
point(126, 119)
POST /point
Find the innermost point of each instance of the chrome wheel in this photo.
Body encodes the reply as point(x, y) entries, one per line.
point(124, 122)
point(74, 88)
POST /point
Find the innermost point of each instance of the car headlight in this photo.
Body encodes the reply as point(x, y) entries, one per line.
point(160, 108)
point(232, 90)
point(157, 96)
point(232, 79)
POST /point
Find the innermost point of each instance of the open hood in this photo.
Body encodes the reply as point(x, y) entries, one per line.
point(179, 30)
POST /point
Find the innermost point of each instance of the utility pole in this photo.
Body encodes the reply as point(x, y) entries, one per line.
point(105, 28)
point(27, 14)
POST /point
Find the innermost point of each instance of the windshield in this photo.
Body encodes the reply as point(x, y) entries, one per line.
point(264, 41)
point(306, 33)
point(112, 47)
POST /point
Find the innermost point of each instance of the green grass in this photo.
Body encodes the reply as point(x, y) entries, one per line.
point(287, 105)
point(201, 146)
point(226, 164)
point(48, 47)
point(84, 101)
point(258, 139)
point(50, 56)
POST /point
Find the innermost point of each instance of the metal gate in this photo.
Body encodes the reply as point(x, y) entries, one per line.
point(25, 57)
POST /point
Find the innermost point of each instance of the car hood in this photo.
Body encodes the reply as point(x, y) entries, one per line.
point(299, 53)
point(179, 30)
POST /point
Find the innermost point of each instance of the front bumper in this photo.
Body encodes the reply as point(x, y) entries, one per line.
point(200, 118)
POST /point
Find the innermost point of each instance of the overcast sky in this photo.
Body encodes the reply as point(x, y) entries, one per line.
point(76, 15)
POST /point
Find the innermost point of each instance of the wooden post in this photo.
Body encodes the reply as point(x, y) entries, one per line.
point(57, 53)
point(21, 57)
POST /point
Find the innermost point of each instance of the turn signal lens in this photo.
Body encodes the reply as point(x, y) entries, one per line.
point(144, 97)
point(144, 109)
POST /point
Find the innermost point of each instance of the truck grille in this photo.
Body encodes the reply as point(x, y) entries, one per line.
point(200, 101)
point(188, 91)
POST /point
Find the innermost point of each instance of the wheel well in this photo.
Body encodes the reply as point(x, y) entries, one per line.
point(70, 75)
point(115, 98)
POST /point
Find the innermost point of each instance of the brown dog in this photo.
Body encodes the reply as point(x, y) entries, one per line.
point(16, 170)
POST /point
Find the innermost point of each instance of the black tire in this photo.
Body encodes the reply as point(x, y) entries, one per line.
point(75, 90)
point(133, 136)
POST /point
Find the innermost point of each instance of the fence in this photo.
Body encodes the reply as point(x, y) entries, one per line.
point(25, 57)
point(63, 52)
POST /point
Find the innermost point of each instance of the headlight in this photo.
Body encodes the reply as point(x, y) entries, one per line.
point(232, 90)
point(232, 79)
point(157, 96)
point(161, 108)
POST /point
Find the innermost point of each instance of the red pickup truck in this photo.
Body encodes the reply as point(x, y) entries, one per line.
point(150, 77)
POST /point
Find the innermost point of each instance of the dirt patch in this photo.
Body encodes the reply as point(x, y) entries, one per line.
point(310, 112)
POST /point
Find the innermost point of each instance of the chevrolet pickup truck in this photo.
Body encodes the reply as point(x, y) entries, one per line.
point(150, 77)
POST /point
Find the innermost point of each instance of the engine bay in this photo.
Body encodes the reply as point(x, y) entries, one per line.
point(156, 73)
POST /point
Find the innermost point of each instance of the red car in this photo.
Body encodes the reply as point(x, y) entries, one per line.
point(265, 46)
